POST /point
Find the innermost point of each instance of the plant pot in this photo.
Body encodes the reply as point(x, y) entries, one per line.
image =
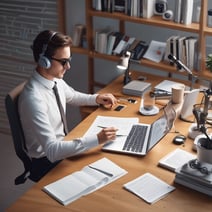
point(203, 154)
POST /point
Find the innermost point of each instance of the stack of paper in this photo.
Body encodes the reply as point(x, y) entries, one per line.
point(166, 85)
point(122, 124)
point(149, 188)
point(85, 181)
point(136, 88)
point(193, 178)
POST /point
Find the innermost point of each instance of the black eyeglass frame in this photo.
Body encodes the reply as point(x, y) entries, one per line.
point(195, 164)
point(64, 61)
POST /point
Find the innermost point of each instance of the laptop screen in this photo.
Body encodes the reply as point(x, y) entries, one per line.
point(162, 126)
point(158, 130)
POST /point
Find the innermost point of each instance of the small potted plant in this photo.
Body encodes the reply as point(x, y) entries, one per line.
point(209, 62)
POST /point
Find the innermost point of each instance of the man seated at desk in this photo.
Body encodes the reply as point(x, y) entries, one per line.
point(41, 119)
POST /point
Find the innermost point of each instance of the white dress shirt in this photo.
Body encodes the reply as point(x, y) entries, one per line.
point(41, 120)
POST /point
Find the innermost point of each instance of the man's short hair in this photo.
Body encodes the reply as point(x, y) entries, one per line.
point(47, 44)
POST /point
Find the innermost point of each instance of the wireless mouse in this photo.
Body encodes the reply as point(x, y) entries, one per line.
point(179, 139)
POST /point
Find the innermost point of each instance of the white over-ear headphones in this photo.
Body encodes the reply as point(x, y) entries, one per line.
point(44, 61)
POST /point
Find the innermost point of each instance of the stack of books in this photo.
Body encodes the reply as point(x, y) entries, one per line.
point(195, 178)
point(184, 49)
point(136, 88)
point(116, 43)
point(183, 9)
point(136, 8)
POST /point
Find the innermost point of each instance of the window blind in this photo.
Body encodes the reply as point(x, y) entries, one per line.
point(20, 22)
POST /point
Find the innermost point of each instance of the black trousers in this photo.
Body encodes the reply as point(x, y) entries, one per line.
point(40, 167)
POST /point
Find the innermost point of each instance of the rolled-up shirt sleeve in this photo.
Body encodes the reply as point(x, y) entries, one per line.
point(63, 149)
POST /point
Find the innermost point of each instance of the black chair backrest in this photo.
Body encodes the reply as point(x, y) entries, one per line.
point(11, 103)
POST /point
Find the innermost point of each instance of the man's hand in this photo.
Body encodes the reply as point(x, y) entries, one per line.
point(106, 99)
point(107, 134)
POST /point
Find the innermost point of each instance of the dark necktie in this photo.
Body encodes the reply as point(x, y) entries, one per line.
point(61, 109)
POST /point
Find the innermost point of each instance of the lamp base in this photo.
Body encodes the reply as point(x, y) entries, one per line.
point(127, 79)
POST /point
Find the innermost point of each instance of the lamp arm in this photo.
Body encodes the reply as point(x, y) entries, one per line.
point(127, 77)
point(180, 66)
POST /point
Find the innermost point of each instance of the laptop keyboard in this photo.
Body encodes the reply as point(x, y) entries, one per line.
point(135, 139)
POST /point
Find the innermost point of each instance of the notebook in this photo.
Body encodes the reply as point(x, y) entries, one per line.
point(138, 144)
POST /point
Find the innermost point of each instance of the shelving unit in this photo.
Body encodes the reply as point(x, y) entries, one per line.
point(200, 29)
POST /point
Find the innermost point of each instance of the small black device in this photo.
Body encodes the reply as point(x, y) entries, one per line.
point(132, 101)
point(179, 139)
point(160, 7)
point(119, 107)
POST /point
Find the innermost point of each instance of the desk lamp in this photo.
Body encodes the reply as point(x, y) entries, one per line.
point(190, 98)
point(181, 66)
point(201, 115)
point(124, 64)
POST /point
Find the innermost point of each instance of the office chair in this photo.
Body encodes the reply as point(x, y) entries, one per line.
point(11, 103)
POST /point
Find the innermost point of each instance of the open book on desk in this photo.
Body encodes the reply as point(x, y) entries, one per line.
point(85, 181)
point(176, 159)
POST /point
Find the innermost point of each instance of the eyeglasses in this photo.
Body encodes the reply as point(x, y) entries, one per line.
point(195, 164)
point(63, 62)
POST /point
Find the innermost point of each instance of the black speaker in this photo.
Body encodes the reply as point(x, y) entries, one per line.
point(43, 61)
point(160, 7)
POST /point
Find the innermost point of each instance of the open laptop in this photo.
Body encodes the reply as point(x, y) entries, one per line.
point(143, 143)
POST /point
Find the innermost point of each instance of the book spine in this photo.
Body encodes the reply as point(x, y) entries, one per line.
point(192, 185)
point(187, 11)
point(148, 8)
point(177, 11)
point(139, 51)
point(98, 5)
point(127, 7)
point(79, 32)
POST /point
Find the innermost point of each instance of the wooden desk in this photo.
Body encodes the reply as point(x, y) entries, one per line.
point(113, 197)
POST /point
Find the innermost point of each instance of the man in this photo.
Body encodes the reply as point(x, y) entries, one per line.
point(40, 116)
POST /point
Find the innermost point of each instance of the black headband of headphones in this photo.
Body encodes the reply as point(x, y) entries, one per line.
point(45, 46)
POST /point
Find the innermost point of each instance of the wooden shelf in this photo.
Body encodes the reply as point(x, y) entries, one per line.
point(154, 21)
point(79, 50)
point(144, 62)
point(200, 29)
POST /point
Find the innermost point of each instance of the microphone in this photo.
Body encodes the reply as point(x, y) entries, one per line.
point(179, 64)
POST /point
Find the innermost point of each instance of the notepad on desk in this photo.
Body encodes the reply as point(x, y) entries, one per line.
point(85, 181)
point(149, 187)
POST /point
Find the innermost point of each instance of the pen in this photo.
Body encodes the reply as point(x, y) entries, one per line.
point(102, 171)
point(101, 126)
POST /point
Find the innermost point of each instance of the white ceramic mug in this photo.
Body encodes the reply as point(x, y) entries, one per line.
point(203, 155)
